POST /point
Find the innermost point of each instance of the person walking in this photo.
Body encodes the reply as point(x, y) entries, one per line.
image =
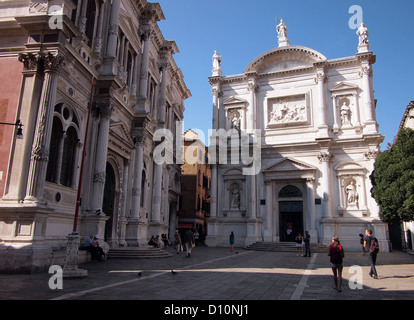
point(306, 239)
point(231, 239)
point(371, 245)
point(336, 254)
point(177, 242)
point(189, 242)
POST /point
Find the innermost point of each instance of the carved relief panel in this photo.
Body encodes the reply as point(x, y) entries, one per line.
point(288, 110)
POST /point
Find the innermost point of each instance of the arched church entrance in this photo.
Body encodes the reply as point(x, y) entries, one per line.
point(109, 201)
point(290, 213)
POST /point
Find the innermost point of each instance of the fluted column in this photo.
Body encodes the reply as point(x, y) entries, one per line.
point(310, 185)
point(98, 37)
point(136, 185)
point(156, 205)
point(251, 110)
point(113, 28)
point(106, 110)
point(325, 158)
point(323, 127)
point(143, 83)
point(40, 150)
point(370, 122)
point(268, 227)
point(163, 92)
point(122, 218)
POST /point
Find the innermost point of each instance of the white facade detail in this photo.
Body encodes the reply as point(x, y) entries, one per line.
point(319, 139)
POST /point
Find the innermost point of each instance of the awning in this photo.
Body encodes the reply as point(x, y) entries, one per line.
point(185, 225)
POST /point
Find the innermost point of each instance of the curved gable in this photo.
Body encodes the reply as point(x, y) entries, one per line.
point(285, 59)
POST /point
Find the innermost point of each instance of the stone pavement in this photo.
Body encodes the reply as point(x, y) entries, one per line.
point(218, 274)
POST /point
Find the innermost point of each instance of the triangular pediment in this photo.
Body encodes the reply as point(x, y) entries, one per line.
point(234, 100)
point(343, 86)
point(288, 164)
point(119, 132)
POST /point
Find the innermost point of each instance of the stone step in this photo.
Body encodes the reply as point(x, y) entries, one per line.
point(284, 247)
point(137, 253)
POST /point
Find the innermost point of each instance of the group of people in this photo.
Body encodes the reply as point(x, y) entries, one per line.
point(336, 254)
point(91, 244)
point(188, 240)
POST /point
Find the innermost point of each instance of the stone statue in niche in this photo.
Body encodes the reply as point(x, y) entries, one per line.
point(345, 114)
point(235, 197)
point(352, 194)
point(235, 120)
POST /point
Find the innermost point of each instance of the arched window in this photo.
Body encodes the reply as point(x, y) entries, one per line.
point(68, 158)
point(63, 148)
point(290, 192)
point(57, 136)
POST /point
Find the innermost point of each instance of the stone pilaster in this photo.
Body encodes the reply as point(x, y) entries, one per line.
point(40, 150)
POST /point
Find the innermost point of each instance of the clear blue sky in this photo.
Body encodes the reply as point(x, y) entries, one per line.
point(241, 30)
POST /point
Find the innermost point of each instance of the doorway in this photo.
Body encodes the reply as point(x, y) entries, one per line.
point(290, 219)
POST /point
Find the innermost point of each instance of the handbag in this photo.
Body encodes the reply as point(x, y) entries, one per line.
point(192, 244)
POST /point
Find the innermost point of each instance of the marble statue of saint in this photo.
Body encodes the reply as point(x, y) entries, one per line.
point(363, 34)
point(216, 61)
point(235, 122)
point(282, 30)
point(352, 193)
point(345, 114)
point(235, 200)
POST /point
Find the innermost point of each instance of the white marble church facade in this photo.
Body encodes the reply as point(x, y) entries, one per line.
point(318, 137)
point(126, 197)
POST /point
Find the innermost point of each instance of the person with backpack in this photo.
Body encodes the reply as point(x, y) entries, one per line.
point(371, 243)
point(336, 253)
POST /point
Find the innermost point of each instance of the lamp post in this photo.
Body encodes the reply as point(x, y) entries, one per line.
point(18, 124)
point(72, 250)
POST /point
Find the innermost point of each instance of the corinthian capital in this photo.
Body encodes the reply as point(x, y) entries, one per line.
point(30, 61)
point(53, 62)
point(106, 110)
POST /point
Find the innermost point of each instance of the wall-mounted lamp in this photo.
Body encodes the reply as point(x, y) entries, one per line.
point(18, 124)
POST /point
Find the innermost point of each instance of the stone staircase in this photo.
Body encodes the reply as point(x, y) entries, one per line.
point(285, 247)
point(137, 253)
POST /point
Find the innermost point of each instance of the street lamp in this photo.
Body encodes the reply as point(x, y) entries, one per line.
point(18, 124)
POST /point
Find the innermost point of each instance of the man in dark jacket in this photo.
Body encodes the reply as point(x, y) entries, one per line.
point(188, 240)
point(372, 256)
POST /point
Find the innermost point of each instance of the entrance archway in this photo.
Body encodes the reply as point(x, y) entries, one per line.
point(108, 203)
point(290, 213)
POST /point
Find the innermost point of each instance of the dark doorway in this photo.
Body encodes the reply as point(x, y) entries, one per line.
point(108, 200)
point(290, 219)
point(395, 236)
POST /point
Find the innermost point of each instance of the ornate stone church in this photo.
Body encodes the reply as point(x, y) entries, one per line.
point(318, 139)
point(91, 81)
